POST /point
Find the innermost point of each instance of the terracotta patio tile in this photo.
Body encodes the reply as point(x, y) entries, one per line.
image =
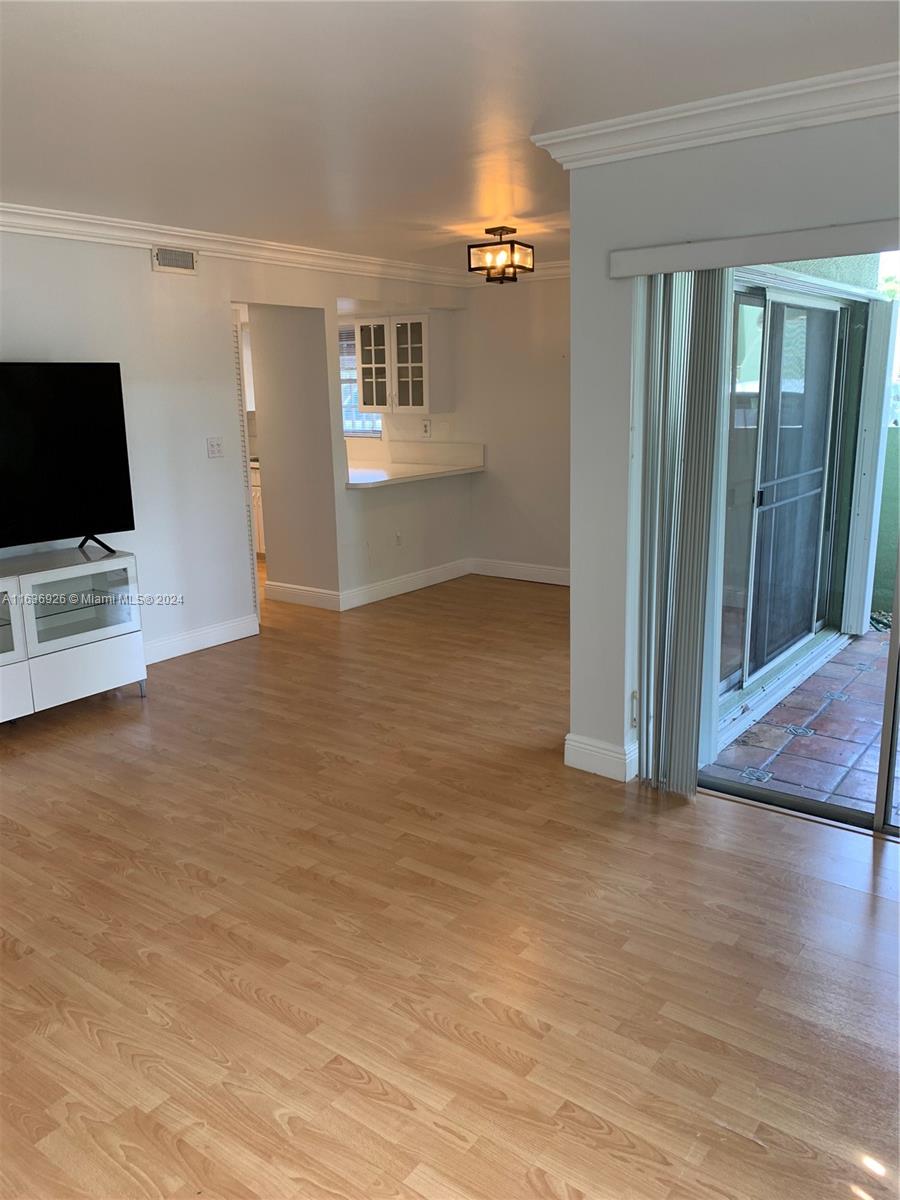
point(871, 645)
point(763, 734)
point(825, 749)
point(791, 713)
point(840, 671)
point(865, 689)
point(859, 785)
point(832, 724)
point(807, 772)
point(738, 755)
point(868, 760)
point(862, 710)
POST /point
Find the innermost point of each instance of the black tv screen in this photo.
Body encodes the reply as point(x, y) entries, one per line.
point(63, 454)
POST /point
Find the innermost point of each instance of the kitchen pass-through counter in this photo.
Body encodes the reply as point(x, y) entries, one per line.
point(386, 463)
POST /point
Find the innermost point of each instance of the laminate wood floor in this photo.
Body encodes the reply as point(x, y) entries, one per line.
point(326, 918)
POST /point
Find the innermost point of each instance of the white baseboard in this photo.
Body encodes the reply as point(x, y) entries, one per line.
point(370, 592)
point(291, 593)
point(532, 572)
point(294, 593)
point(160, 649)
point(601, 758)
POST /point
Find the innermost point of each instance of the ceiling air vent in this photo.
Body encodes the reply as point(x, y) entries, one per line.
point(167, 258)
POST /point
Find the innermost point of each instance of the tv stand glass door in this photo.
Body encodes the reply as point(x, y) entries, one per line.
point(80, 604)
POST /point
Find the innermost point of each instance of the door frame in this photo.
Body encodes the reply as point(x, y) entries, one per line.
point(888, 782)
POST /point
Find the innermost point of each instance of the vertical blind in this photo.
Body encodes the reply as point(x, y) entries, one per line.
point(688, 329)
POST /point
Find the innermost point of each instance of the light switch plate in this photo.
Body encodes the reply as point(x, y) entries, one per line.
point(215, 447)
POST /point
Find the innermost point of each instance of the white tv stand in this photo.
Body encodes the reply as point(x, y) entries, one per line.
point(70, 626)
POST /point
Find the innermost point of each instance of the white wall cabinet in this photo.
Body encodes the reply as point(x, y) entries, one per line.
point(392, 364)
point(70, 627)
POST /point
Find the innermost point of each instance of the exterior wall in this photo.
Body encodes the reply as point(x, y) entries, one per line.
point(861, 270)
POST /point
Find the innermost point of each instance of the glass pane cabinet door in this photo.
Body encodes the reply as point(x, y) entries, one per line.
point(12, 630)
point(372, 358)
point(6, 633)
point(409, 356)
point(79, 605)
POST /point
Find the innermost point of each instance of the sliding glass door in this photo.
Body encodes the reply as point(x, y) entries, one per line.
point(790, 480)
point(799, 705)
point(778, 440)
point(887, 798)
point(743, 447)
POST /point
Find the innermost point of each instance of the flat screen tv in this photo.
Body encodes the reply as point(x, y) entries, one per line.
point(63, 454)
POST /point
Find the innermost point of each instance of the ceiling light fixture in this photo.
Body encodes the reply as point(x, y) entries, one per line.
point(501, 260)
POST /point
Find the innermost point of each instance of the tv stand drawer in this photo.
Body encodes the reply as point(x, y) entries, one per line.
point(85, 670)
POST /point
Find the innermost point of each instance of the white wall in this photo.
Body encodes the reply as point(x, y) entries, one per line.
point(803, 179)
point(293, 432)
point(63, 299)
point(68, 300)
point(513, 395)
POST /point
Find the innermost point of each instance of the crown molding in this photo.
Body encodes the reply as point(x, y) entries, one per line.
point(822, 100)
point(112, 231)
point(84, 227)
point(558, 269)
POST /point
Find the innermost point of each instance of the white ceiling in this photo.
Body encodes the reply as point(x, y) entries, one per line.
point(392, 129)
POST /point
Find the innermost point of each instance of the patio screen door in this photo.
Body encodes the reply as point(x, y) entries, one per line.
point(792, 458)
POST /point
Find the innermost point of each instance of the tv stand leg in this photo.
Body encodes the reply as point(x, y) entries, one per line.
point(92, 537)
point(142, 685)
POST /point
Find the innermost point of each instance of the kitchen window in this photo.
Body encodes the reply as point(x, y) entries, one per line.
point(356, 422)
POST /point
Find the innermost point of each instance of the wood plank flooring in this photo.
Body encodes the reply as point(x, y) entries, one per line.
point(325, 918)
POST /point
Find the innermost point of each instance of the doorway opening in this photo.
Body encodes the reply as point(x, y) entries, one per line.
point(795, 698)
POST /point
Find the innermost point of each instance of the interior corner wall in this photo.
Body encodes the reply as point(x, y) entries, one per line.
point(513, 395)
point(294, 440)
point(802, 179)
point(64, 300)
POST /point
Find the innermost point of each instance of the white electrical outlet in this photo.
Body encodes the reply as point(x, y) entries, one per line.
point(215, 447)
point(398, 538)
point(426, 427)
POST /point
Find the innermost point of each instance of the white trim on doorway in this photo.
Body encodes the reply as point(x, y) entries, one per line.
point(828, 241)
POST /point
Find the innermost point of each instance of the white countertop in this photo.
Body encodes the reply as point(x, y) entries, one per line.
point(388, 473)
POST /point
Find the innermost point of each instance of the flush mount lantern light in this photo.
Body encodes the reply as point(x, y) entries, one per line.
point(501, 260)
